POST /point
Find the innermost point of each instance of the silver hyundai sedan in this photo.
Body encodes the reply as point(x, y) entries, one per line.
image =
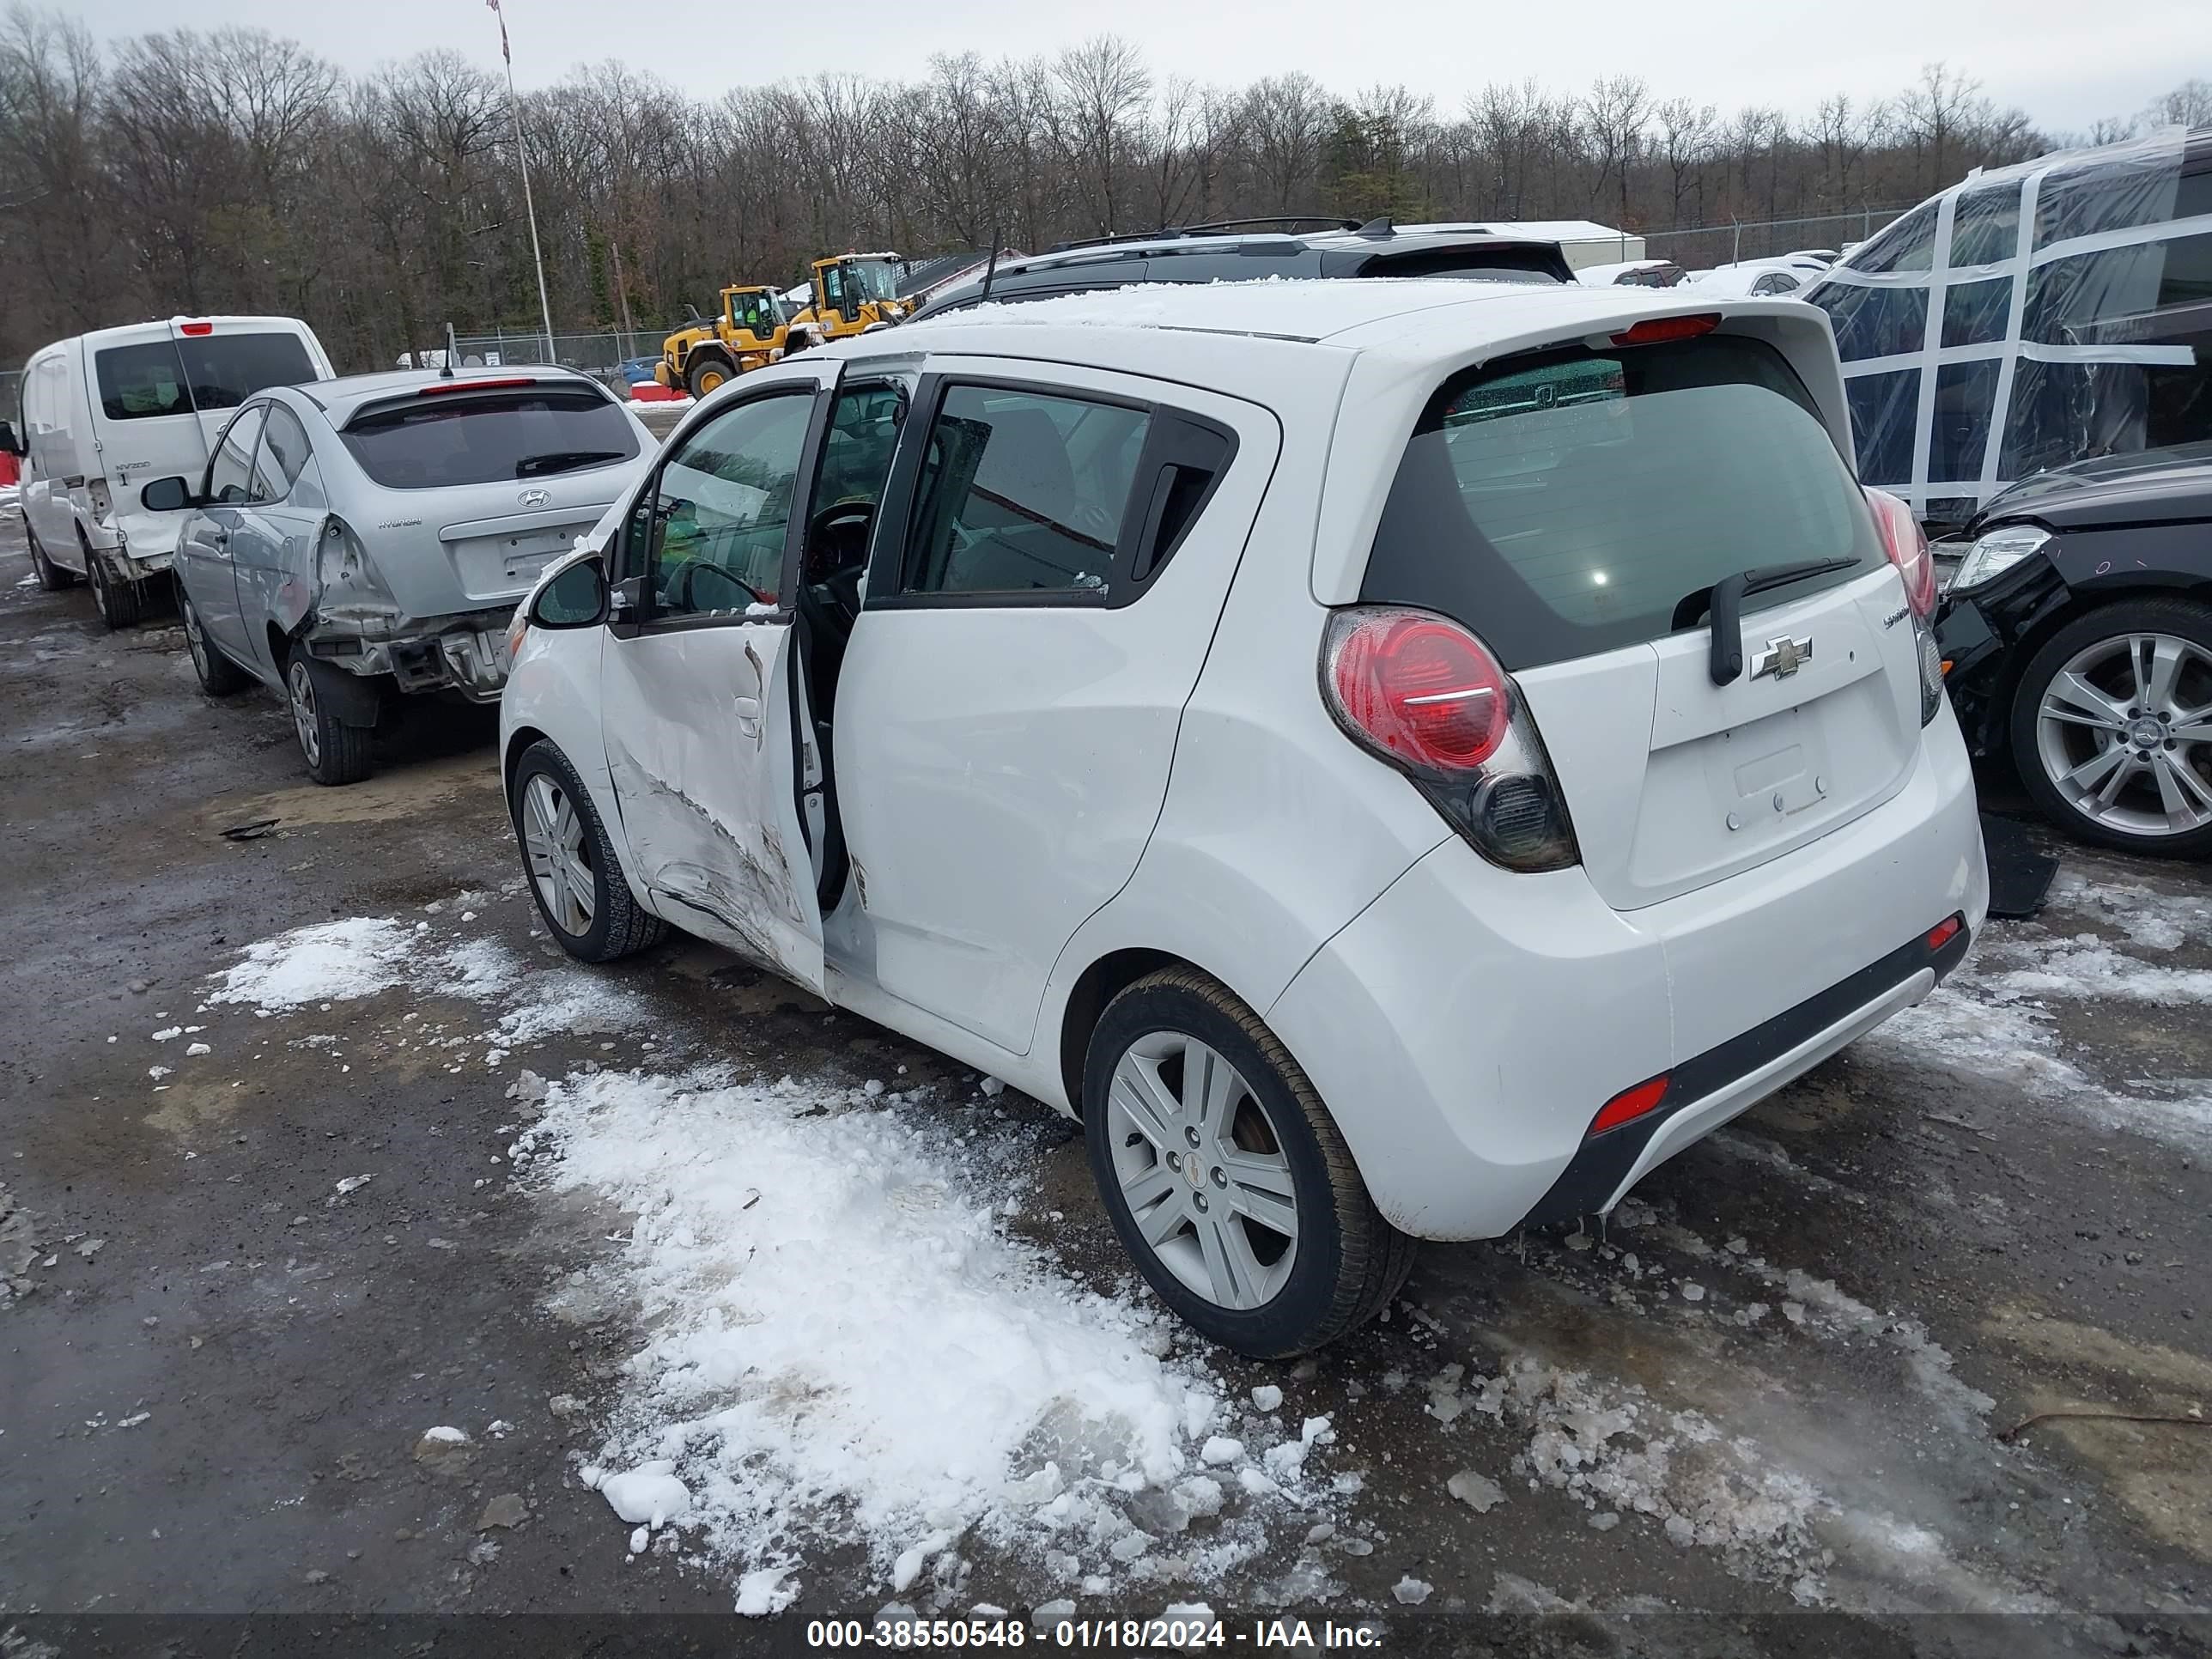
point(355, 539)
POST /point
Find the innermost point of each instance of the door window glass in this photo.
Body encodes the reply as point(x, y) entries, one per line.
point(1975, 314)
point(856, 459)
point(1874, 322)
point(1022, 492)
point(283, 454)
point(710, 538)
point(230, 473)
point(1985, 226)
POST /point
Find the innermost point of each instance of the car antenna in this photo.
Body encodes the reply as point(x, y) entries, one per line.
point(452, 352)
point(991, 265)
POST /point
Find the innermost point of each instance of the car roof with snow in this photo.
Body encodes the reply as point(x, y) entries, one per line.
point(1446, 314)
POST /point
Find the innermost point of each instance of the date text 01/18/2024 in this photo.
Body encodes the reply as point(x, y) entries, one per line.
point(1187, 1634)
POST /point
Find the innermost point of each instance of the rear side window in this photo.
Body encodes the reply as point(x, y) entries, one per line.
point(177, 376)
point(442, 439)
point(1022, 493)
point(1566, 504)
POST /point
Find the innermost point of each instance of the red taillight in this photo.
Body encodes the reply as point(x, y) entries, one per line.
point(1903, 539)
point(1944, 931)
point(1422, 688)
point(1655, 331)
point(195, 328)
point(437, 386)
point(1629, 1105)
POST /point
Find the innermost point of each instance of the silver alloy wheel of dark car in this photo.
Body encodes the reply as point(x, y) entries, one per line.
point(305, 718)
point(1202, 1170)
point(2123, 734)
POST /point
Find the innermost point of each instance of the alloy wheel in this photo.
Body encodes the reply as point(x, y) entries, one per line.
point(1202, 1170)
point(2123, 734)
point(553, 841)
point(304, 718)
point(195, 639)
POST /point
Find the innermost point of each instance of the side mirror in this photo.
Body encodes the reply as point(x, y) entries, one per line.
point(166, 495)
point(9, 443)
point(577, 597)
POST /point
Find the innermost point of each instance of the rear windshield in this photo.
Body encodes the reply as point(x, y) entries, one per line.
point(450, 438)
point(214, 371)
point(1566, 504)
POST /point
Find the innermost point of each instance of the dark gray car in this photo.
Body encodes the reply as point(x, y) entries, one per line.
point(1231, 253)
point(357, 539)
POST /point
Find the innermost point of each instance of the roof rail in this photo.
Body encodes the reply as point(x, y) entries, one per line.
point(1214, 228)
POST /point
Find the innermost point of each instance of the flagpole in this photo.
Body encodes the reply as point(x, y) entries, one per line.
point(522, 164)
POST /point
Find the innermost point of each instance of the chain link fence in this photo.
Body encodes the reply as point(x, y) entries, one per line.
point(600, 356)
point(1706, 245)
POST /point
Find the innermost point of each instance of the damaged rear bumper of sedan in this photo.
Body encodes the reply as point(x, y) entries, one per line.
point(466, 654)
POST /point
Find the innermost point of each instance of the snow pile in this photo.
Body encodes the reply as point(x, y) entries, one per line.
point(363, 956)
point(843, 1345)
point(1616, 1450)
point(329, 962)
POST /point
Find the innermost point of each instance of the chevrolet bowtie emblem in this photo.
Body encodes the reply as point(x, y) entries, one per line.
point(1782, 657)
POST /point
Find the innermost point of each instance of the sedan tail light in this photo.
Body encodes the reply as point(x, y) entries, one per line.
point(1422, 693)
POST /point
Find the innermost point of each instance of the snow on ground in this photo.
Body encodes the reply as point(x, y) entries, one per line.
point(1996, 1016)
point(845, 1346)
point(362, 956)
point(329, 962)
point(840, 1344)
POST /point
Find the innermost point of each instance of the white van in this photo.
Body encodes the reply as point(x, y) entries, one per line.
point(106, 412)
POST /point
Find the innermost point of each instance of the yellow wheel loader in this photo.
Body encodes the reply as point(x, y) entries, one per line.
point(853, 293)
point(751, 332)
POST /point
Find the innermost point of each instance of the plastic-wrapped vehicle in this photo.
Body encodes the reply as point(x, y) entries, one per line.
point(2029, 318)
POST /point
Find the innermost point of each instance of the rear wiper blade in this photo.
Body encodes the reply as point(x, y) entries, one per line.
point(1725, 597)
point(563, 460)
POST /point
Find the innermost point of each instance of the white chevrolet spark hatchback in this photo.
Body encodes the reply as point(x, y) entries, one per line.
point(1396, 759)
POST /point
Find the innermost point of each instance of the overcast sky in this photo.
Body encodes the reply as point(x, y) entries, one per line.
point(2066, 62)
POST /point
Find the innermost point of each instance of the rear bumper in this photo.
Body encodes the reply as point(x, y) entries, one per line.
point(1706, 1091)
point(465, 653)
point(1469, 1024)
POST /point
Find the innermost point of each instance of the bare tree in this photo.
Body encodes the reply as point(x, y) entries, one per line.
point(1102, 87)
point(182, 171)
point(1615, 113)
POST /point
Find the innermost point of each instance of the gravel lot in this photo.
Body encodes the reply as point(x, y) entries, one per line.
point(1768, 1410)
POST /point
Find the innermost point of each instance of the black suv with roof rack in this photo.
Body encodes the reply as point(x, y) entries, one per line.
point(1233, 250)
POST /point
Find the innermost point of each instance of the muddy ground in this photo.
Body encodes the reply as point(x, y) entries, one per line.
point(215, 1369)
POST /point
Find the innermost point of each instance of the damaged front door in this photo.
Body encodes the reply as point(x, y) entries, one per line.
point(700, 701)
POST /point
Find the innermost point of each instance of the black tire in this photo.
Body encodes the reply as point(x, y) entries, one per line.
point(120, 603)
point(335, 753)
point(619, 925)
point(1348, 1261)
point(705, 366)
point(219, 676)
point(2182, 619)
point(52, 577)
